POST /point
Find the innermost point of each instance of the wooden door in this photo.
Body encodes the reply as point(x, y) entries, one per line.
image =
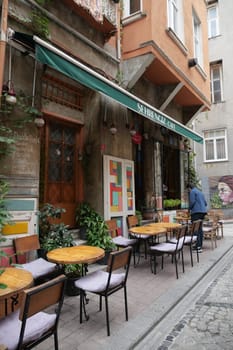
point(63, 177)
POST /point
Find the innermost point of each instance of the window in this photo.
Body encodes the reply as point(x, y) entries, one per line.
point(175, 17)
point(213, 23)
point(215, 145)
point(197, 39)
point(216, 82)
point(131, 7)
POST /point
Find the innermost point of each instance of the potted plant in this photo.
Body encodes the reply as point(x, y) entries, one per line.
point(96, 229)
point(56, 235)
point(73, 272)
point(171, 203)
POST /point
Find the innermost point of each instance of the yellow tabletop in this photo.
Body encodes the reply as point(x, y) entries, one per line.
point(148, 230)
point(10, 297)
point(16, 281)
point(166, 225)
point(182, 218)
point(81, 254)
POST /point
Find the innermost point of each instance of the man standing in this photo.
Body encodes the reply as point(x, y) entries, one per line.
point(198, 208)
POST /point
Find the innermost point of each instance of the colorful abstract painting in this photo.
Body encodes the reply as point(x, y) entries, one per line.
point(129, 187)
point(116, 187)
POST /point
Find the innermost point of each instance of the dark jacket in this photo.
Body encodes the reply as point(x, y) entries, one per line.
point(197, 202)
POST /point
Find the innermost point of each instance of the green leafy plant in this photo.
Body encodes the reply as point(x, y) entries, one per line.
point(96, 228)
point(51, 234)
point(171, 203)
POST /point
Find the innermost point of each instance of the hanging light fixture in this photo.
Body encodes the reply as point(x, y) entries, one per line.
point(113, 129)
point(10, 95)
point(132, 130)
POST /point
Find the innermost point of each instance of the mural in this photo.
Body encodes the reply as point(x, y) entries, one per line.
point(221, 191)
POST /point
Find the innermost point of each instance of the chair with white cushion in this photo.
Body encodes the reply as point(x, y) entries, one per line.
point(105, 283)
point(119, 240)
point(41, 269)
point(31, 324)
point(132, 221)
point(191, 238)
point(169, 248)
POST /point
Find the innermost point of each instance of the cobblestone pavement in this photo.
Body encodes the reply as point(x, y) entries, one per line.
point(209, 325)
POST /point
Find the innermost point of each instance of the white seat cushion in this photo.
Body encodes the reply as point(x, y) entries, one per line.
point(165, 247)
point(188, 239)
point(36, 326)
point(119, 240)
point(97, 281)
point(38, 267)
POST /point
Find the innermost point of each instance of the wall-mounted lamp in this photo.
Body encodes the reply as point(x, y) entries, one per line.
point(39, 122)
point(132, 130)
point(80, 155)
point(9, 93)
point(192, 62)
point(113, 129)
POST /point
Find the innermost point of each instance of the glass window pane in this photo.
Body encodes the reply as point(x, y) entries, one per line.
point(220, 145)
point(209, 145)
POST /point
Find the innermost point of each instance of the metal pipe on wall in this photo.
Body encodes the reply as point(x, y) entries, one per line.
point(3, 40)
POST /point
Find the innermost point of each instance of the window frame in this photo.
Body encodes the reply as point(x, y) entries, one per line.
point(214, 139)
point(197, 39)
point(214, 20)
point(126, 9)
point(213, 66)
point(175, 18)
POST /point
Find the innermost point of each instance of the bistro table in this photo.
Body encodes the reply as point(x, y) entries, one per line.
point(169, 226)
point(16, 280)
point(80, 254)
point(148, 230)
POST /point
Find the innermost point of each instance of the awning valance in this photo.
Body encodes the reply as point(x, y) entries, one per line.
point(57, 59)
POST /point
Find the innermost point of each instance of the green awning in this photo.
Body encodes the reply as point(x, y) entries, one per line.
point(55, 58)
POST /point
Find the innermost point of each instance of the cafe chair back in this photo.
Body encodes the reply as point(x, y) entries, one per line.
point(41, 269)
point(119, 240)
point(175, 249)
point(132, 221)
point(105, 283)
point(32, 324)
point(191, 238)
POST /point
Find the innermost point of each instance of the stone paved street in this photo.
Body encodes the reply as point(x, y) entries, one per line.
point(209, 325)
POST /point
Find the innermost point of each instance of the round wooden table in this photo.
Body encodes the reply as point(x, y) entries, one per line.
point(166, 225)
point(16, 280)
point(81, 254)
point(147, 230)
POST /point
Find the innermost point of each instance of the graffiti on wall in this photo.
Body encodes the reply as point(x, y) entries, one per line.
point(221, 191)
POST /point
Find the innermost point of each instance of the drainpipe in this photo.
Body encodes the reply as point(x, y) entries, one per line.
point(3, 40)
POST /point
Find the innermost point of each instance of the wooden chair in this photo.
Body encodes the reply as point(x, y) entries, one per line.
point(132, 221)
point(105, 283)
point(191, 238)
point(41, 269)
point(220, 216)
point(169, 248)
point(31, 324)
point(210, 230)
point(120, 241)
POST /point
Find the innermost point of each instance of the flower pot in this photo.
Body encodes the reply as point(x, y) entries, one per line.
point(71, 290)
point(104, 260)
